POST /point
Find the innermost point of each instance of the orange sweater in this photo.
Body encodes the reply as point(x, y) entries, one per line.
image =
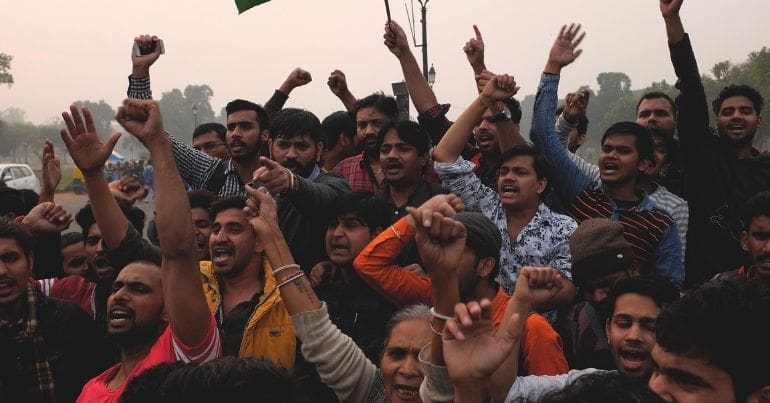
point(541, 347)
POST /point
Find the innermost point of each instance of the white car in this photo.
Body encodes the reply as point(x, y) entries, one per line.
point(19, 176)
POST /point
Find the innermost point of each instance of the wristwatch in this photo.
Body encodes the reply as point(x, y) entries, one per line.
point(500, 117)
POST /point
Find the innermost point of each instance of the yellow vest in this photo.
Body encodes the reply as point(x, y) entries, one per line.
point(268, 333)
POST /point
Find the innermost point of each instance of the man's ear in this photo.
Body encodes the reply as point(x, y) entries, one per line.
point(542, 185)
point(485, 266)
point(745, 240)
point(763, 395)
point(643, 164)
point(581, 139)
point(607, 328)
point(265, 135)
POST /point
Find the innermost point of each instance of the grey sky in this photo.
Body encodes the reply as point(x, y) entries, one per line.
point(79, 49)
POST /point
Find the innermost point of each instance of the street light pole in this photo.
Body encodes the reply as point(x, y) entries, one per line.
point(424, 14)
point(195, 115)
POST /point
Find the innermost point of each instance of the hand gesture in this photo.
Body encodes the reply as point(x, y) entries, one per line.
point(395, 39)
point(472, 348)
point(444, 204)
point(82, 142)
point(273, 176)
point(474, 50)
point(296, 78)
point(142, 119)
point(564, 50)
point(51, 167)
point(128, 188)
point(536, 286)
point(321, 273)
point(47, 218)
point(337, 83)
point(441, 244)
point(141, 64)
point(262, 211)
point(498, 88)
point(575, 106)
point(670, 8)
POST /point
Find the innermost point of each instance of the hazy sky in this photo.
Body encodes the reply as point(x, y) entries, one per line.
point(77, 49)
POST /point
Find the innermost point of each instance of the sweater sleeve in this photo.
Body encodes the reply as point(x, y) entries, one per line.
point(692, 105)
point(341, 365)
point(375, 266)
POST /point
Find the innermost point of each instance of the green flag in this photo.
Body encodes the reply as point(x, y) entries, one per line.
point(244, 5)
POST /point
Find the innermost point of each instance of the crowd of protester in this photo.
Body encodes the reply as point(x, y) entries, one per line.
point(363, 258)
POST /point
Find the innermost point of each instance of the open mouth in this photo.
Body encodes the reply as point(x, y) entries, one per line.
point(406, 392)
point(633, 359)
point(237, 145)
point(485, 138)
point(7, 286)
point(393, 167)
point(221, 255)
point(338, 247)
point(736, 127)
point(610, 167)
point(509, 189)
point(120, 315)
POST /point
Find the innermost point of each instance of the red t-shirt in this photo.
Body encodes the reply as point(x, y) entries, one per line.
point(166, 349)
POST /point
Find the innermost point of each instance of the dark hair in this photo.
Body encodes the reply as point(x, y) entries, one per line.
point(515, 107)
point(656, 95)
point(10, 229)
point(642, 138)
point(734, 90)
point(202, 199)
point(541, 165)
point(371, 210)
point(134, 215)
point(582, 123)
point(725, 323)
point(227, 203)
point(758, 205)
point(381, 102)
point(337, 124)
point(146, 387)
point(31, 199)
point(409, 132)
point(601, 387)
point(11, 201)
point(229, 380)
point(658, 289)
point(71, 238)
point(218, 128)
point(292, 122)
point(243, 105)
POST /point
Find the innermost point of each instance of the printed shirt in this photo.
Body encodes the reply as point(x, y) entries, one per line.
point(544, 241)
point(168, 348)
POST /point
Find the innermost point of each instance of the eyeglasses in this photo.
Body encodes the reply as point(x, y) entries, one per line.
point(208, 146)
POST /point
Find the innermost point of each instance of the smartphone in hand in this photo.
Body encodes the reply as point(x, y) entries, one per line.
point(142, 51)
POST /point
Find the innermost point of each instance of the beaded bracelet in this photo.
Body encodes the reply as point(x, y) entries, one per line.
point(290, 279)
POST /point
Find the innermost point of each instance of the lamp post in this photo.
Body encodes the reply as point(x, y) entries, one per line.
point(424, 21)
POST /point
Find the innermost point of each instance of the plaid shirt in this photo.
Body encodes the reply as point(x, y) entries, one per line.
point(358, 172)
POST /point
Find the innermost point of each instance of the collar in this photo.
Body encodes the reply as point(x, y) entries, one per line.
point(314, 174)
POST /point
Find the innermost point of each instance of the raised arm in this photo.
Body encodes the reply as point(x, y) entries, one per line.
point(183, 296)
point(474, 51)
point(692, 105)
point(296, 78)
point(419, 89)
point(51, 173)
point(340, 363)
point(509, 134)
point(451, 145)
point(89, 154)
point(139, 80)
point(338, 85)
point(570, 181)
point(305, 195)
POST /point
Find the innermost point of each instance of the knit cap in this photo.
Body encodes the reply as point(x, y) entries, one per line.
point(483, 235)
point(598, 248)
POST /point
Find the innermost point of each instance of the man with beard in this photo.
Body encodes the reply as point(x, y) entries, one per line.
point(656, 110)
point(627, 151)
point(155, 314)
point(50, 348)
point(755, 240)
point(721, 172)
point(241, 289)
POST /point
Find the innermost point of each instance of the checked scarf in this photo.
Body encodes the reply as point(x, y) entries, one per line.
point(32, 341)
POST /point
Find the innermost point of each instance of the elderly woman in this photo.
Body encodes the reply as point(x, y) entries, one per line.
point(340, 363)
